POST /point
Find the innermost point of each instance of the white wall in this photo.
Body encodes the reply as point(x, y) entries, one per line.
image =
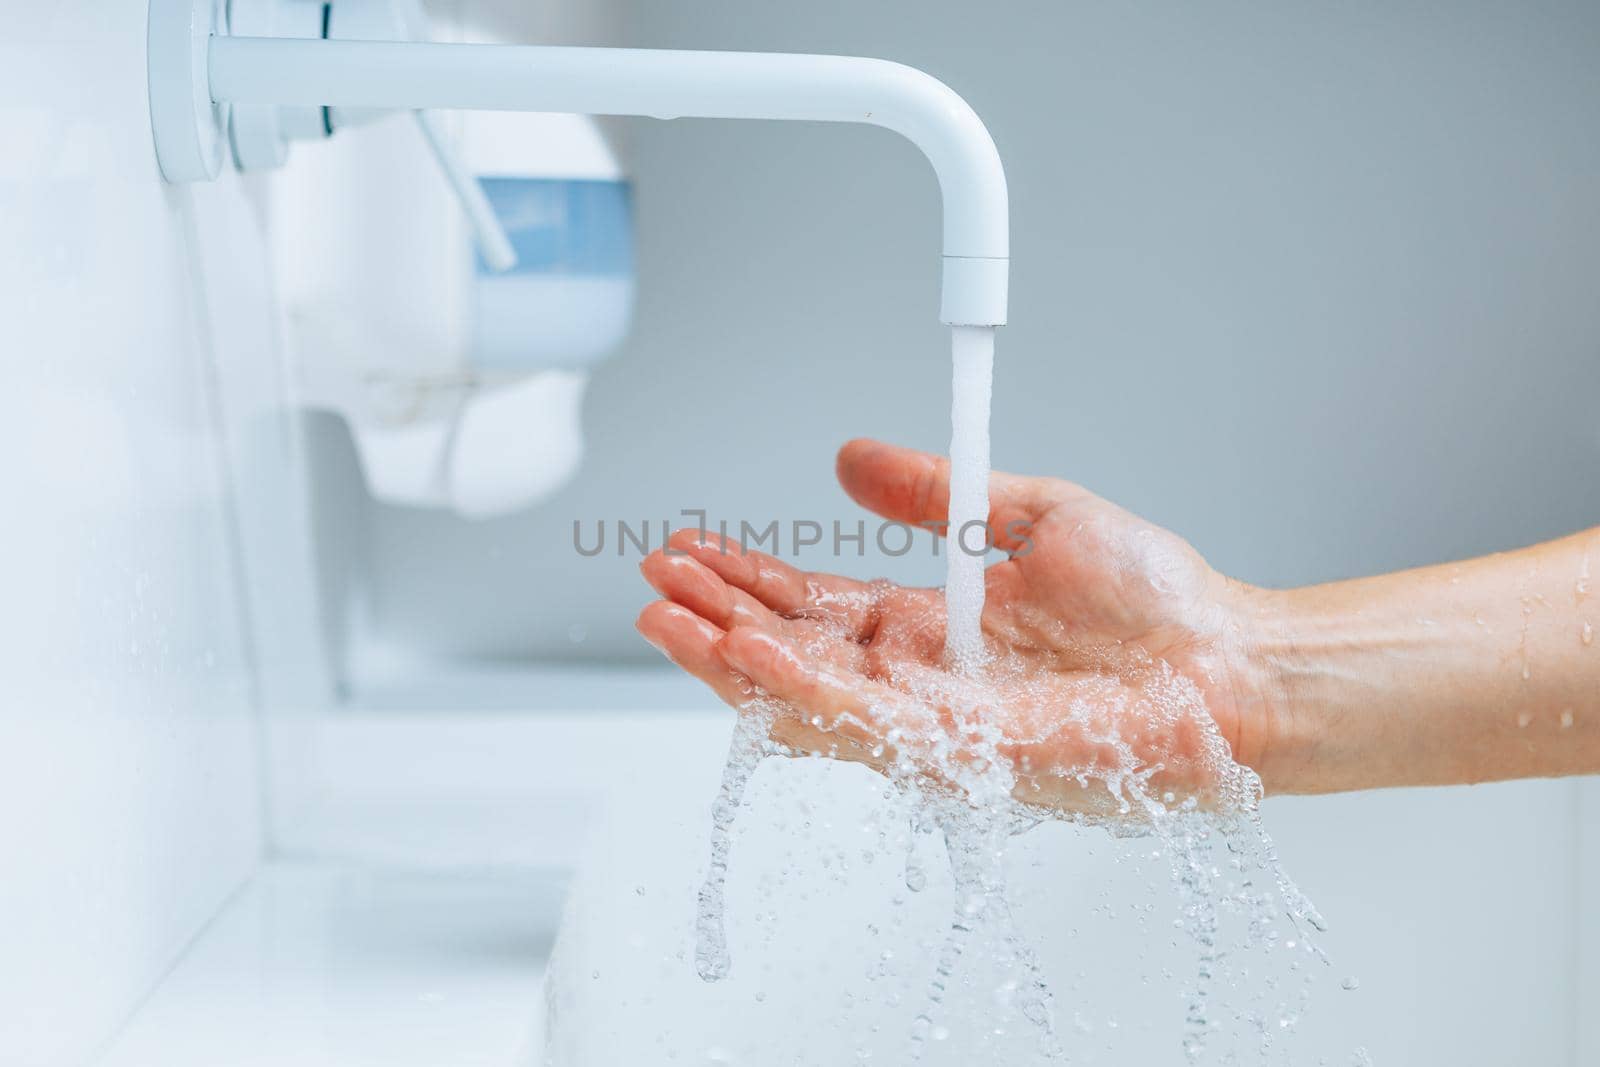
point(134, 325)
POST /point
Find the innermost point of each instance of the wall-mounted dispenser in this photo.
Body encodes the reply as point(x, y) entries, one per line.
point(445, 294)
point(461, 383)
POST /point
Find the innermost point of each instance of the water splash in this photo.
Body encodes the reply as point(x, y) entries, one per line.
point(916, 876)
point(953, 766)
point(977, 850)
point(746, 749)
point(952, 777)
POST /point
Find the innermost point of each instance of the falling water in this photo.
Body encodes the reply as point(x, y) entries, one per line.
point(745, 750)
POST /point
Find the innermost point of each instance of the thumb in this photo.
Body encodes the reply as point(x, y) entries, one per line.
point(913, 487)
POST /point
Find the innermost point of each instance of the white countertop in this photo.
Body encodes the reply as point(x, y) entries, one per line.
point(317, 965)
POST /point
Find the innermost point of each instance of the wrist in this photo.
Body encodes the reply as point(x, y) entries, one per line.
point(1278, 735)
point(1336, 667)
point(1451, 674)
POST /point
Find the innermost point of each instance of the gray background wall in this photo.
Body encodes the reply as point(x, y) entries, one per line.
point(1312, 284)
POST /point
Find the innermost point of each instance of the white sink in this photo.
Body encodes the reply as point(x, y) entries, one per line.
point(1404, 877)
point(418, 880)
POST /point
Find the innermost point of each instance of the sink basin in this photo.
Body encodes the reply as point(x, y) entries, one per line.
point(832, 957)
point(434, 852)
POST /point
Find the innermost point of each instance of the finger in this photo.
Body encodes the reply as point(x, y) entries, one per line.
point(691, 642)
point(913, 487)
point(848, 704)
point(787, 590)
point(687, 582)
point(697, 587)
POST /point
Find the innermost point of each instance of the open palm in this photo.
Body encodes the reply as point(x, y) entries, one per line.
point(1117, 661)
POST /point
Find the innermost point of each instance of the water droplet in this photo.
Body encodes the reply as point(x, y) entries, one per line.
point(1352, 982)
point(1566, 719)
point(1523, 720)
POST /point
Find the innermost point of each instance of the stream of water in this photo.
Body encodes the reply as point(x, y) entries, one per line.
point(972, 384)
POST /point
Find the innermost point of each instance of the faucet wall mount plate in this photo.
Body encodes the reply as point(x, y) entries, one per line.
point(190, 127)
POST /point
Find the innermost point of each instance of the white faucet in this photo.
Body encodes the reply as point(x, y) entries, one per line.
point(197, 71)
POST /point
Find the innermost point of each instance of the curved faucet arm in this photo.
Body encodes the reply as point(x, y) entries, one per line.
point(664, 84)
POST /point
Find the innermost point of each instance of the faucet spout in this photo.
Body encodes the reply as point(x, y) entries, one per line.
point(664, 84)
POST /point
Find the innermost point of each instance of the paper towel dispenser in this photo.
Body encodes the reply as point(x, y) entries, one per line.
point(462, 382)
point(446, 294)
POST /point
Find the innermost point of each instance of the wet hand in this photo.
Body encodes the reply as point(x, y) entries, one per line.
point(1119, 668)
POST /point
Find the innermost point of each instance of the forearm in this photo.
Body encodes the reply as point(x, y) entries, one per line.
point(1466, 672)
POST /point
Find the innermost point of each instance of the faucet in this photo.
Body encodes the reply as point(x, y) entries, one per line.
point(198, 73)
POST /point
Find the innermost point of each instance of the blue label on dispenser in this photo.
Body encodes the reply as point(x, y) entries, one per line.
point(564, 226)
